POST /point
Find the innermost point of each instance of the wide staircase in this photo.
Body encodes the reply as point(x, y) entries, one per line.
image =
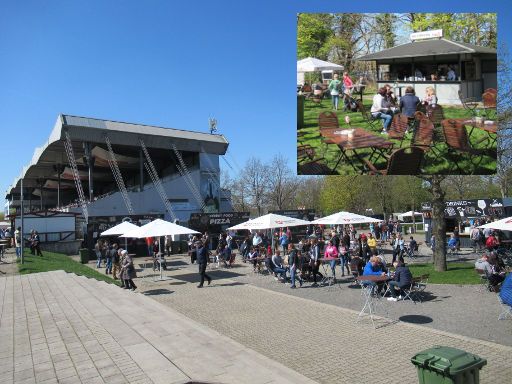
point(61, 327)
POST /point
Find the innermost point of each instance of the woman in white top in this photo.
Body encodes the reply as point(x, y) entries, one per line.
point(379, 111)
point(430, 97)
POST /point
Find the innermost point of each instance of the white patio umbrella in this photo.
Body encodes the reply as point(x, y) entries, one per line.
point(502, 225)
point(345, 218)
point(271, 221)
point(409, 214)
point(311, 64)
point(120, 229)
point(157, 228)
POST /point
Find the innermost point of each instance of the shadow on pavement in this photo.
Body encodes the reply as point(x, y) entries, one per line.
point(218, 274)
point(415, 319)
point(159, 291)
point(178, 283)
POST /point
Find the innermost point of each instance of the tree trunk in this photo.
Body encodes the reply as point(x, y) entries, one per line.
point(438, 223)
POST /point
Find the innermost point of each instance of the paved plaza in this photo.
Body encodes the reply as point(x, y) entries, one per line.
point(244, 327)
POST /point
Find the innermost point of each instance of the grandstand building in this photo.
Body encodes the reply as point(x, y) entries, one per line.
point(100, 168)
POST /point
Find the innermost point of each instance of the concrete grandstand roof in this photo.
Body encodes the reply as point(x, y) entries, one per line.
point(123, 137)
point(438, 47)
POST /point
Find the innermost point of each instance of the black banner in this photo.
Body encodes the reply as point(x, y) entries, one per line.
point(459, 209)
point(210, 221)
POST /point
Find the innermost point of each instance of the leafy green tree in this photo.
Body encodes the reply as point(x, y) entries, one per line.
point(313, 31)
point(344, 193)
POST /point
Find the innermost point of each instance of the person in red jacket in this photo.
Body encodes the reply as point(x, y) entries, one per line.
point(149, 243)
point(491, 243)
point(347, 82)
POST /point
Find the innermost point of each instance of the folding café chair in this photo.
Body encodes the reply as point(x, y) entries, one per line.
point(458, 143)
point(368, 117)
point(489, 100)
point(403, 161)
point(411, 292)
point(399, 128)
point(484, 281)
point(469, 103)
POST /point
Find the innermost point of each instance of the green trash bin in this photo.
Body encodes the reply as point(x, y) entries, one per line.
point(446, 365)
point(84, 255)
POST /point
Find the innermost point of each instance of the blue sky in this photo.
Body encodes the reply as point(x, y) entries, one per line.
point(165, 63)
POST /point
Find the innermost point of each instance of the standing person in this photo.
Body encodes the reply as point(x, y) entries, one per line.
point(451, 76)
point(128, 271)
point(98, 249)
point(109, 255)
point(149, 243)
point(457, 237)
point(168, 242)
point(116, 258)
point(347, 83)
point(344, 253)
point(331, 251)
point(206, 240)
point(36, 244)
point(284, 242)
point(372, 244)
point(17, 241)
point(202, 261)
point(293, 263)
point(335, 88)
point(314, 253)
point(474, 235)
point(378, 110)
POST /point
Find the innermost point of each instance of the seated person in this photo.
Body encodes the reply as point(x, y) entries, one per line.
point(379, 111)
point(506, 290)
point(277, 265)
point(374, 268)
point(253, 258)
point(491, 269)
point(452, 243)
point(357, 265)
point(430, 98)
point(401, 280)
point(409, 102)
point(225, 256)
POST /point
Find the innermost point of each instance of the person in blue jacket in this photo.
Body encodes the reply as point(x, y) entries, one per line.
point(506, 290)
point(374, 267)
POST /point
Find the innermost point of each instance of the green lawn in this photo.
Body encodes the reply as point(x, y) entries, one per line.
point(457, 273)
point(433, 164)
point(57, 261)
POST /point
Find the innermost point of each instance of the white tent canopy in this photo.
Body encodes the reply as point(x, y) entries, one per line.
point(158, 228)
point(270, 221)
point(408, 214)
point(502, 225)
point(345, 218)
point(119, 229)
point(311, 64)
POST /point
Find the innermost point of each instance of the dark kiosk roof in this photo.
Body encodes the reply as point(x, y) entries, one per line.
point(436, 47)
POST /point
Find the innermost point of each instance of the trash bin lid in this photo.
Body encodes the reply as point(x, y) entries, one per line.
point(447, 360)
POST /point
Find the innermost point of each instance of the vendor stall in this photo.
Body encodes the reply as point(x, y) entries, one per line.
point(430, 60)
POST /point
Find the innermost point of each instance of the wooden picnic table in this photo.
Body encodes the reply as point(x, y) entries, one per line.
point(360, 139)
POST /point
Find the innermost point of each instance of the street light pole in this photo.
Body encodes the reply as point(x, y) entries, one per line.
point(22, 227)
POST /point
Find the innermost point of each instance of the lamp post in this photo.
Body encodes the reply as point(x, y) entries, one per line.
point(22, 227)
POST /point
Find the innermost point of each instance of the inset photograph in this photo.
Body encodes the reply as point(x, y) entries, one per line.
point(396, 94)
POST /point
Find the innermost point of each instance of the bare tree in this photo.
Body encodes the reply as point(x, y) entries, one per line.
point(255, 179)
point(281, 183)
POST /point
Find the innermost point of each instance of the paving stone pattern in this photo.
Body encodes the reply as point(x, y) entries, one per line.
point(318, 340)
